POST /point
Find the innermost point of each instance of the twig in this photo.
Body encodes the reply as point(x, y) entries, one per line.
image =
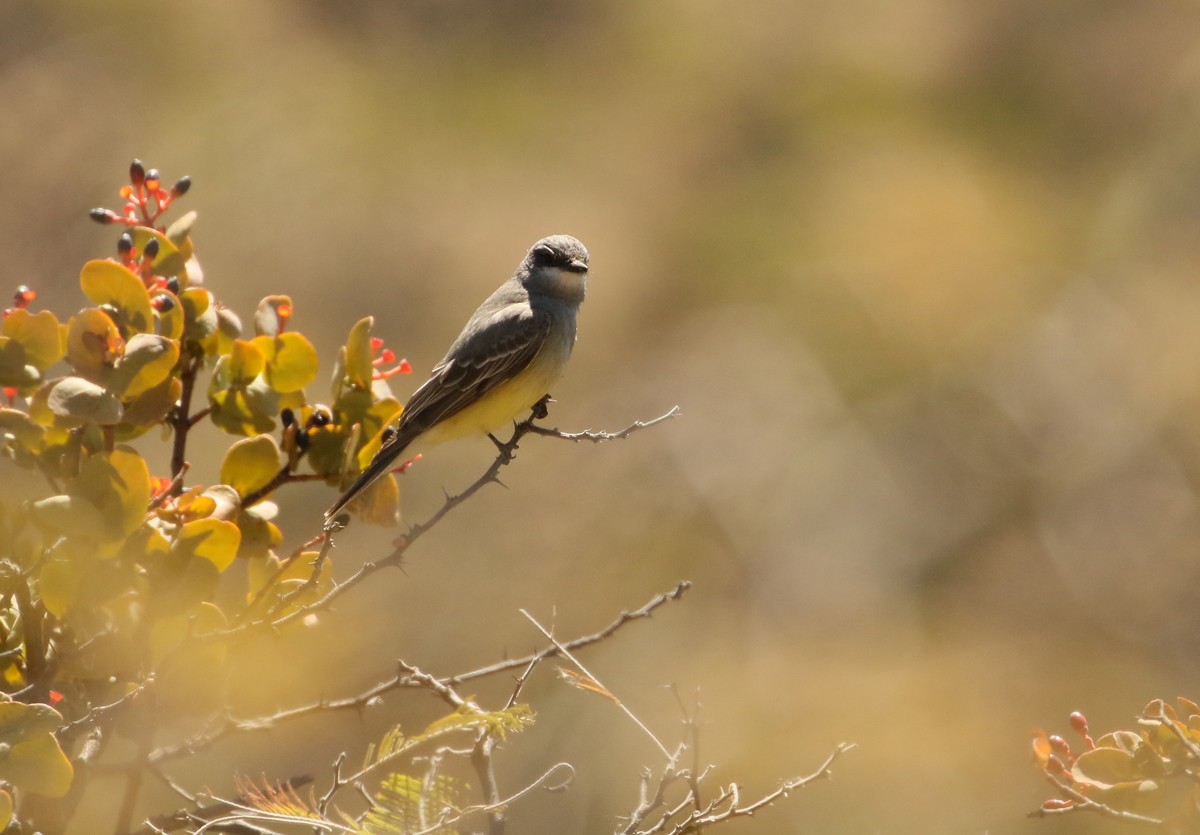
point(567, 653)
point(224, 726)
point(601, 437)
point(170, 490)
point(1083, 803)
point(403, 543)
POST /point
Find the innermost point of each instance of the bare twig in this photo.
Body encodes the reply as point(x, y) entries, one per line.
point(223, 726)
point(403, 543)
point(1083, 803)
point(601, 437)
point(567, 653)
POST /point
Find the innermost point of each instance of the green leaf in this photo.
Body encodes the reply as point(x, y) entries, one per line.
point(81, 401)
point(397, 806)
point(359, 355)
point(250, 464)
point(178, 231)
point(107, 282)
point(15, 368)
point(291, 361)
point(40, 334)
point(212, 539)
point(147, 361)
point(151, 407)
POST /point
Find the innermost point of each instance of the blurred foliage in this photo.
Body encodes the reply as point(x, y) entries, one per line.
point(111, 572)
point(940, 255)
point(1149, 776)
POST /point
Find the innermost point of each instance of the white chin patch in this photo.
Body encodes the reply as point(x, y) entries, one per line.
point(569, 280)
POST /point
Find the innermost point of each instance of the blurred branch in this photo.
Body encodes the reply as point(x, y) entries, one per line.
point(1083, 803)
point(222, 726)
point(726, 806)
point(595, 681)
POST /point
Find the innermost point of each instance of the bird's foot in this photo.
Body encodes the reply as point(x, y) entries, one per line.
point(541, 408)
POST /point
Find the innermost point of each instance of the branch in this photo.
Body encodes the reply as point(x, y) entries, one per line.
point(406, 541)
point(1083, 803)
point(567, 653)
point(226, 725)
point(601, 437)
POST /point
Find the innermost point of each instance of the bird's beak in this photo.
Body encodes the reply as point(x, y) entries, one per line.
point(577, 266)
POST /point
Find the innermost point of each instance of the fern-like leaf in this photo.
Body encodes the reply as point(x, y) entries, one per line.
point(500, 723)
point(405, 804)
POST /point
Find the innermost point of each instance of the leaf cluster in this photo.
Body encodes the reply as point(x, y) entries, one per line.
point(110, 571)
point(1145, 775)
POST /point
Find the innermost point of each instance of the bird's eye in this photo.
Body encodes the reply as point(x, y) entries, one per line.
point(543, 254)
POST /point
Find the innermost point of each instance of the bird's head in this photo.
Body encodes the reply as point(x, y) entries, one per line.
point(558, 264)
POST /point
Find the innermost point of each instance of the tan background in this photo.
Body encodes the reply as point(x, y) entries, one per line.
point(921, 275)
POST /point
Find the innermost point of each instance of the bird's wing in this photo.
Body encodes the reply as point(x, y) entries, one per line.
point(483, 360)
point(476, 364)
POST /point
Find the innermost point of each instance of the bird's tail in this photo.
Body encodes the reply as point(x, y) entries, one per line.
point(379, 466)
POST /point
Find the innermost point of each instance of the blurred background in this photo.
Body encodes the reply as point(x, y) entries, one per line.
point(921, 277)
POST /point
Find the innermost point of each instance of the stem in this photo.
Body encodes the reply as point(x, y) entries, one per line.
point(31, 622)
point(180, 421)
point(279, 479)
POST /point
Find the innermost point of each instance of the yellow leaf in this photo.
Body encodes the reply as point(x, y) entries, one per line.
point(118, 484)
point(213, 539)
point(147, 361)
point(29, 754)
point(107, 282)
point(40, 334)
point(359, 355)
point(250, 464)
point(38, 765)
point(69, 515)
point(93, 343)
point(246, 361)
point(59, 584)
point(292, 361)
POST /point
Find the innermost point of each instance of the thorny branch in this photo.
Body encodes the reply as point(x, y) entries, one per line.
point(406, 541)
point(725, 806)
point(223, 726)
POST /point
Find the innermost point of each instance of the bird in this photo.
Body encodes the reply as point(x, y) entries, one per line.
point(508, 355)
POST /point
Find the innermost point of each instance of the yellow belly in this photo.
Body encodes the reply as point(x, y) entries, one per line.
point(503, 404)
